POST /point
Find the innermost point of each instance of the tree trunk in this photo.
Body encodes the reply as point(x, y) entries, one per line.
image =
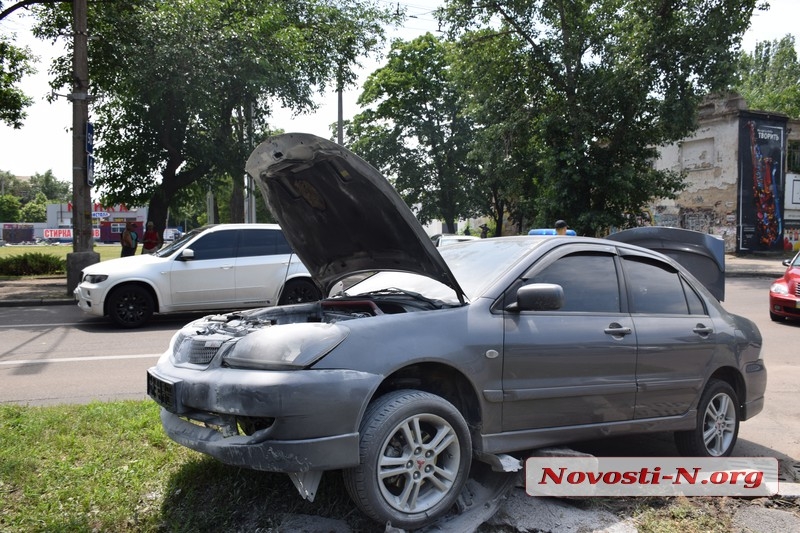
point(237, 199)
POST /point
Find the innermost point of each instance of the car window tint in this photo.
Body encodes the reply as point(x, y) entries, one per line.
point(257, 242)
point(654, 288)
point(216, 245)
point(589, 281)
point(281, 246)
point(696, 306)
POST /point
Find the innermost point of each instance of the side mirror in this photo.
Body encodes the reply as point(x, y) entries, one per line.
point(187, 254)
point(538, 297)
point(787, 262)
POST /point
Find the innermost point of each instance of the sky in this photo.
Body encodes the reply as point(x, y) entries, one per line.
point(45, 142)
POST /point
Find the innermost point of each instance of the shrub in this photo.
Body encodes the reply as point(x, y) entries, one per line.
point(32, 264)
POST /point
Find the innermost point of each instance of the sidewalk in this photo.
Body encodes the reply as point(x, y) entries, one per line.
point(53, 290)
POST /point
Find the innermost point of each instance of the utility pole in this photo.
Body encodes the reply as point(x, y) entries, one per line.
point(83, 253)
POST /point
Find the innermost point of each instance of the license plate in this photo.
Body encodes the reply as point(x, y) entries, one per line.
point(163, 392)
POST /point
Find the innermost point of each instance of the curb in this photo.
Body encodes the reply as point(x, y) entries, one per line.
point(37, 302)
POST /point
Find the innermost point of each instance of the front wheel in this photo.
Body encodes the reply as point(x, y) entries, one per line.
point(415, 454)
point(298, 291)
point(130, 306)
point(717, 424)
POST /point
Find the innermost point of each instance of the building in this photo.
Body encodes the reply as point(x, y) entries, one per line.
point(742, 171)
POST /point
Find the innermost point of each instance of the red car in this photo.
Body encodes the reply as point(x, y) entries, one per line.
point(784, 294)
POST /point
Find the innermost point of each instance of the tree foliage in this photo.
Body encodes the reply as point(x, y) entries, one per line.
point(50, 188)
point(769, 78)
point(415, 131)
point(35, 210)
point(9, 208)
point(186, 88)
point(610, 81)
point(15, 63)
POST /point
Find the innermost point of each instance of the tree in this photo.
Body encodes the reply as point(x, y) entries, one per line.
point(35, 210)
point(9, 184)
point(769, 78)
point(52, 189)
point(181, 84)
point(415, 131)
point(9, 208)
point(501, 102)
point(612, 81)
point(15, 63)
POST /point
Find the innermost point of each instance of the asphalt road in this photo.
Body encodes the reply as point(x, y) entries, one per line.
point(57, 354)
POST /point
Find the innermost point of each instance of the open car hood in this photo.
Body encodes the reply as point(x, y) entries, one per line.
point(701, 254)
point(339, 214)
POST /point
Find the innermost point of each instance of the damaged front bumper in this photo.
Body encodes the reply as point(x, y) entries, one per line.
point(277, 421)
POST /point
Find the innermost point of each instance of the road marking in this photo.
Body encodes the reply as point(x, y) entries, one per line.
point(49, 325)
point(78, 359)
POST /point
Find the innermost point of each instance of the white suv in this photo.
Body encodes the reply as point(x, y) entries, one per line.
point(225, 266)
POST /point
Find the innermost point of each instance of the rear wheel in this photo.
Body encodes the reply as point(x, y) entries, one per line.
point(298, 291)
point(130, 306)
point(717, 424)
point(414, 459)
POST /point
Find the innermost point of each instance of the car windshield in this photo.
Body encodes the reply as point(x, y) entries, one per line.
point(475, 264)
point(174, 246)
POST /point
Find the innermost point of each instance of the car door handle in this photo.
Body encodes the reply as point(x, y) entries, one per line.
point(617, 330)
point(702, 330)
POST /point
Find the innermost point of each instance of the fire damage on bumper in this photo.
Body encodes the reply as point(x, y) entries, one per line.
point(267, 421)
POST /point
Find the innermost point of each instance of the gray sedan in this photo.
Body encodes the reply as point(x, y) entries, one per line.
point(434, 358)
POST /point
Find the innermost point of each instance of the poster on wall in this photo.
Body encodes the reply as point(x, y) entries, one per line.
point(762, 145)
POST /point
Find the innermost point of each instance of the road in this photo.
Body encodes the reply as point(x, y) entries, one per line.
point(57, 354)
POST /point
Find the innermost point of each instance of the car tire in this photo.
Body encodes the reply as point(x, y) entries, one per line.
point(410, 484)
point(717, 424)
point(130, 306)
point(298, 291)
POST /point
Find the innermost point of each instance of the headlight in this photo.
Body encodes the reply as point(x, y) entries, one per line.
point(285, 347)
point(95, 278)
point(779, 288)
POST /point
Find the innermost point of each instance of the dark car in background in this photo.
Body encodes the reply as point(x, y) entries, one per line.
point(438, 357)
point(784, 293)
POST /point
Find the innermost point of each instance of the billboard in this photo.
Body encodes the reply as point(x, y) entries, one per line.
point(762, 145)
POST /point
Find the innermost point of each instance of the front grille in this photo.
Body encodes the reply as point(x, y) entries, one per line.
point(797, 289)
point(163, 392)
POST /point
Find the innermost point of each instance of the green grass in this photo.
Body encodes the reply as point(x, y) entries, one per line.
point(110, 467)
point(109, 251)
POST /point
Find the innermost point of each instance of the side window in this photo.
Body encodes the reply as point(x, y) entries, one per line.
point(654, 288)
point(696, 306)
point(258, 242)
point(217, 245)
point(589, 281)
point(281, 246)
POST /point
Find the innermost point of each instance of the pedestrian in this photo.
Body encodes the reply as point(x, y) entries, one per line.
point(129, 240)
point(484, 230)
point(150, 241)
point(561, 227)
